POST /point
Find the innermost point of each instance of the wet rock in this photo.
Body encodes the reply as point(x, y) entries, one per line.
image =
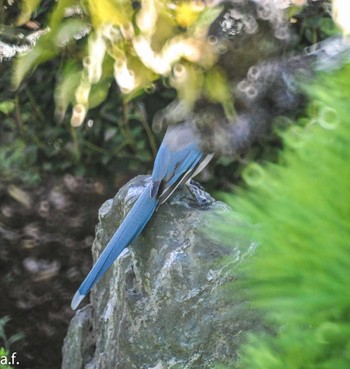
point(164, 304)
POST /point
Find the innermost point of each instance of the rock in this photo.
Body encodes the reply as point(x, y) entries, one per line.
point(79, 343)
point(165, 303)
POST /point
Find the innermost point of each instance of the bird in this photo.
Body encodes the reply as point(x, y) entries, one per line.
point(179, 158)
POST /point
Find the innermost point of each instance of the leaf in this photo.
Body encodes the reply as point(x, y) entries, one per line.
point(217, 89)
point(186, 14)
point(3, 321)
point(46, 48)
point(58, 13)
point(113, 12)
point(3, 351)
point(293, 10)
point(68, 30)
point(188, 82)
point(29, 61)
point(15, 338)
point(328, 27)
point(27, 8)
point(20, 195)
point(99, 93)
point(205, 19)
point(64, 92)
point(7, 107)
point(144, 77)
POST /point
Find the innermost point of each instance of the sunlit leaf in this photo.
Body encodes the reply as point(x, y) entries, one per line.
point(68, 30)
point(29, 61)
point(293, 10)
point(93, 62)
point(144, 76)
point(3, 352)
point(7, 106)
point(99, 90)
point(65, 89)
point(169, 29)
point(99, 93)
point(188, 82)
point(205, 19)
point(217, 90)
point(58, 13)
point(112, 12)
point(186, 13)
point(27, 8)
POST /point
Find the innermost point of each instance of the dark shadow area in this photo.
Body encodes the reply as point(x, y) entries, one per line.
point(46, 234)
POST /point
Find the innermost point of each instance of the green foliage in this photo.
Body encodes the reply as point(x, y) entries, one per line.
point(115, 142)
point(317, 28)
point(4, 353)
point(8, 341)
point(7, 106)
point(118, 138)
point(299, 276)
point(31, 147)
point(133, 45)
point(27, 8)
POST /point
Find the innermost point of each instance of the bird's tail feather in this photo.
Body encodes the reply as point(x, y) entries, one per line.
point(131, 227)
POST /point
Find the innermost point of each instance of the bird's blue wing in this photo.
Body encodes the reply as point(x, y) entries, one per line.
point(160, 168)
point(130, 228)
point(181, 162)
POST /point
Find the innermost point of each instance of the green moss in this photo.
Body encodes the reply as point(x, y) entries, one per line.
point(299, 276)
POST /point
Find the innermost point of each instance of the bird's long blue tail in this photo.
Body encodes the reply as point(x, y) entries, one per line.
point(131, 227)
